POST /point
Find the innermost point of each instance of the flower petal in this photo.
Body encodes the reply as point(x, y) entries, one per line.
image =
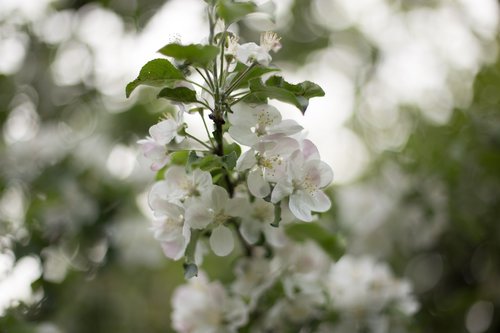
point(287, 127)
point(299, 207)
point(250, 230)
point(257, 185)
point(174, 249)
point(221, 241)
point(164, 131)
point(246, 161)
point(198, 215)
point(219, 198)
point(319, 202)
point(243, 135)
point(281, 190)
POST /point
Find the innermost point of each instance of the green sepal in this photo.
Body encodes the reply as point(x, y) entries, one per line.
point(160, 174)
point(277, 88)
point(196, 110)
point(156, 73)
point(195, 54)
point(231, 11)
point(331, 243)
point(179, 94)
point(191, 160)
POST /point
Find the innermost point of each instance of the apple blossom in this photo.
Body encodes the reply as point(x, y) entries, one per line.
point(250, 124)
point(250, 52)
point(154, 147)
point(304, 183)
point(203, 307)
point(171, 231)
point(215, 209)
point(178, 186)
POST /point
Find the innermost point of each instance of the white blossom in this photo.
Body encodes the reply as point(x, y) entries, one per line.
point(254, 276)
point(250, 124)
point(256, 220)
point(361, 287)
point(179, 185)
point(203, 307)
point(154, 147)
point(251, 52)
point(304, 183)
point(214, 209)
point(171, 231)
point(266, 163)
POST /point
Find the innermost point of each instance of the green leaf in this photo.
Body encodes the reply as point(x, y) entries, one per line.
point(179, 157)
point(330, 243)
point(262, 92)
point(277, 88)
point(232, 147)
point(179, 94)
point(230, 160)
point(210, 163)
point(195, 54)
point(156, 73)
point(305, 89)
point(232, 12)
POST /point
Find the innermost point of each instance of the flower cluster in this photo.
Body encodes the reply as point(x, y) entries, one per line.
point(209, 189)
point(300, 287)
point(254, 175)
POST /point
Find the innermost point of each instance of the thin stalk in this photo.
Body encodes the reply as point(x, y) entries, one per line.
point(205, 105)
point(206, 129)
point(239, 99)
point(236, 95)
point(222, 42)
point(207, 80)
point(235, 83)
point(212, 85)
point(198, 140)
point(199, 85)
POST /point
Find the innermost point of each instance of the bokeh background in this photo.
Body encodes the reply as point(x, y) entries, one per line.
point(410, 125)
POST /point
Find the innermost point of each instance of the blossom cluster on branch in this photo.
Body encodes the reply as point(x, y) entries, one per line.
point(255, 181)
point(252, 167)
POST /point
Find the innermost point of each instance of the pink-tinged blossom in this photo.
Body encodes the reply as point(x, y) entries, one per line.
point(250, 125)
point(203, 307)
point(169, 228)
point(266, 163)
point(303, 185)
point(154, 147)
point(154, 152)
point(214, 209)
